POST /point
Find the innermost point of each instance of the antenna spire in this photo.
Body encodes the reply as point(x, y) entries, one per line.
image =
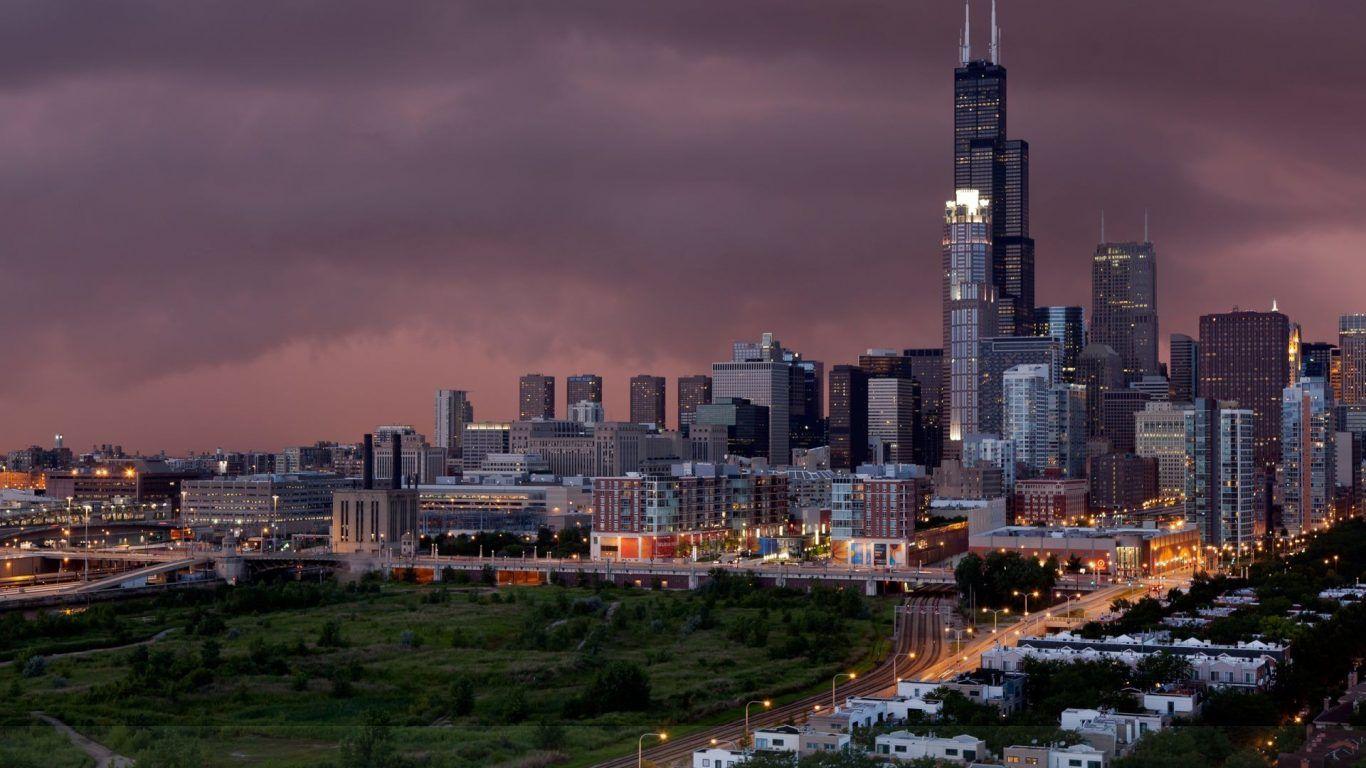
point(1102, 226)
point(965, 45)
point(1145, 226)
point(995, 36)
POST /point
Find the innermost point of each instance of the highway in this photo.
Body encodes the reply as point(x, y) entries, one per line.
point(919, 629)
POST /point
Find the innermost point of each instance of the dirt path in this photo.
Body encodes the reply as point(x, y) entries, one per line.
point(71, 654)
point(103, 756)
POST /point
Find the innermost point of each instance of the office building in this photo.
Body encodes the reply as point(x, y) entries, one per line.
point(893, 415)
point(848, 428)
point(990, 451)
point(927, 366)
point(1221, 481)
point(1000, 354)
point(1124, 304)
point(808, 398)
point(986, 160)
point(1184, 368)
point(766, 374)
point(536, 397)
point(1352, 346)
point(1160, 435)
point(262, 505)
point(970, 307)
point(1117, 409)
point(1124, 552)
point(371, 520)
point(693, 392)
point(1050, 501)
point(122, 481)
point(421, 462)
point(746, 425)
point(1069, 429)
point(587, 412)
point(1122, 482)
point(566, 446)
point(647, 399)
point(522, 508)
point(1099, 370)
point(1316, 360)
point(1244, 358)
point(453, 412)
point(482, 438)
point(583, 387)
point(1308, 456)
point(1067, 326)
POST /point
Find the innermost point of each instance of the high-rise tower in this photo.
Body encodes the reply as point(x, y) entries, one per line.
point(984, 159)
point(970, 315)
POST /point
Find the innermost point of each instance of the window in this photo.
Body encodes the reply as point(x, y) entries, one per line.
point(706, 763)
point(777, 742)
point(951, 752)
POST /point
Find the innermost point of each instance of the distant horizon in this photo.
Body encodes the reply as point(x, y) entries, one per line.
point(248, 227)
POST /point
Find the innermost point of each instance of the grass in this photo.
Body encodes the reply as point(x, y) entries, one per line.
point(278, 697)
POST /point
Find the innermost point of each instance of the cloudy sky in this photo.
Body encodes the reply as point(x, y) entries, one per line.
point(257, 224)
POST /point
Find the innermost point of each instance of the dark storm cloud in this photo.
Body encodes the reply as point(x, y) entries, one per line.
point(220, 190)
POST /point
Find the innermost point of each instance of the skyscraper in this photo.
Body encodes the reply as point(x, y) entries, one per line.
point(1316, 359)
point(1221, 488)
point(1185, 368)
point(927, 365)
point(535, 397)
point(848, 429)
point(893, 412)
point(984, 159)
point(764, 374)
point(1308, 476)
point(999, 354)
point(1352, 342)
point(1124, 304)
point(453, 412)
point(1160, 434)
point(970, 313)
point(1244, 357)
point(1028, 406)
point(1099, 370)
point(693, 392)
point(647, 399)
point(1067, 325)
point(583, 387)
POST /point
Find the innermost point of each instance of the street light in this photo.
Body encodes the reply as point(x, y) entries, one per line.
point(909, 657)
point(640, 746)
point(766, 704)
point(1026, 595)
point(958, 636)
point(834, 680)
point(995, 615)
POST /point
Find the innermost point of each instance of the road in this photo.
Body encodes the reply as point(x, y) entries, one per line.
point(103, 756)
point(919, 629)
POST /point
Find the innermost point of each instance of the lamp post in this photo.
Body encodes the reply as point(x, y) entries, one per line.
point(895, 656)
point(995, 616)
point(640, 746)
point(749, 738)
point(834, 680)
point(1026, 595)
point(958, 636)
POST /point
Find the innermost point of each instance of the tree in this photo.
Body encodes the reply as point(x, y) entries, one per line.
point(370, 746)
point(620, 686)
point(1161, 667)
point(461, 697)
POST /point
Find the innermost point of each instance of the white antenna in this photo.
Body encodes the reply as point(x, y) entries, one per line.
point(965, 48)
point(1274, 308)
point(1102, 226)
point(995, 36)
point(1145, 226)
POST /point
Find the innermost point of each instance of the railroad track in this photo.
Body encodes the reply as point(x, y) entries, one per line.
point(919, 628)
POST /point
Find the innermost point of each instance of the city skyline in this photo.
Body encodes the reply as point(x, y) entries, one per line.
point(238, 287)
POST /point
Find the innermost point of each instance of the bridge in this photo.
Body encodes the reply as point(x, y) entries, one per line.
point(145, 565)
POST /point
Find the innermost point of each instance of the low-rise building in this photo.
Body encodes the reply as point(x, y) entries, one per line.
point(1243, 665)
point(256, 505)
point(1050, 501)
point(993, 687)
point(779, 738)
point(718, 757)
point(903, 745)
point(1124, 552)
point(1174, 701)
point(1114, 733)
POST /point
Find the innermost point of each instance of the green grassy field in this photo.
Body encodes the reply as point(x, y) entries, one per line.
point(458, 676)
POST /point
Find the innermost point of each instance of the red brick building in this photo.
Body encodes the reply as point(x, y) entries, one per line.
point(1050, 501)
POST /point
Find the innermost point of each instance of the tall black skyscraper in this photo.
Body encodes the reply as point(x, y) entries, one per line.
point(997, 167)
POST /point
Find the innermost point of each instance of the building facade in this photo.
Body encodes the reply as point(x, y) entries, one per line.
point(1124, 304)
point(535, 397)
point(693, 393)
point(1308, 456)
point(1067, 326)
point(1244, 358)
point(970, 309)
point(647, 399)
